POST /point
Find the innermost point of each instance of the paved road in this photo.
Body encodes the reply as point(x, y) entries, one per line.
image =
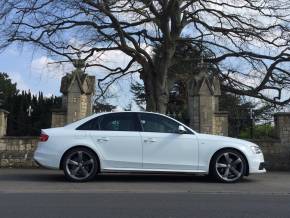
point(44, 193)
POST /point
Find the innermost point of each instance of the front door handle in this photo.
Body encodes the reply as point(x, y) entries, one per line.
point(103, 139)
point(149, 140)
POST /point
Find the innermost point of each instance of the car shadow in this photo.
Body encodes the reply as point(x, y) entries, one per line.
point(148, 178)
point(158, 178)
point(53, 176)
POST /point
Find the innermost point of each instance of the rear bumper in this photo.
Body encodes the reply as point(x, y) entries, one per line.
point(39, 164)
point(46, 159)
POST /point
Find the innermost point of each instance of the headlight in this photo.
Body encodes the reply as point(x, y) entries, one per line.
point(256, 149)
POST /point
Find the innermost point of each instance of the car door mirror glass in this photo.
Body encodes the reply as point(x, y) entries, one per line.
point(181, 129)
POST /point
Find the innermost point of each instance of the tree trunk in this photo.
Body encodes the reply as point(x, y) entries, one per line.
point(156, 91)
point(156, 87)
point(155, 78)
point(162, 96)
point(149, 92)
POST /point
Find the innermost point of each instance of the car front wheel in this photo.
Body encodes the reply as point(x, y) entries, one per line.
point(228, 166)
point(80, 165)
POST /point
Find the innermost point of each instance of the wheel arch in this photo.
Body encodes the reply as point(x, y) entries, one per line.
point(231, 148)
point(80, 146)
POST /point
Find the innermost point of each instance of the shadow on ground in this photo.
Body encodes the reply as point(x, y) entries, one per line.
point(52, 176)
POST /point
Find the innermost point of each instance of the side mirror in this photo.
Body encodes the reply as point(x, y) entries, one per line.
point(181, 129)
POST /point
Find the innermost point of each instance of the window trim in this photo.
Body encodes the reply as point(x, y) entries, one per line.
point(137, 120)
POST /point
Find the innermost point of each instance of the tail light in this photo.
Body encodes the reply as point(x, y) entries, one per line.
point(43, 137)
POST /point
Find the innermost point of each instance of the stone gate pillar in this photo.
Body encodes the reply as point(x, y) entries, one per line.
point(203, 106)
point(221, 123)
point(282, 127)
point(77, 90)
point(3, 122)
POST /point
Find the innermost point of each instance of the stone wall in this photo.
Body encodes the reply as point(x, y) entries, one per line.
point(282, 126)
point(17, 152)
point(276, 154)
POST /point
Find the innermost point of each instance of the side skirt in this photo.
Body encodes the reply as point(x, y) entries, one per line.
point(127, 170)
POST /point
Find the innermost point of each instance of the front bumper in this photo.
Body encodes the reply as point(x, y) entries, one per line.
point(262, 166)
point(257, 164)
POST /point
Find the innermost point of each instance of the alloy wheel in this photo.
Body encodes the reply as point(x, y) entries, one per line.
point(80, 165)
point(229, 166)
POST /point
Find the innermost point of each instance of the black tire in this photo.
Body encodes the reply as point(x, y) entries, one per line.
point(80, 165)
point(228, 166)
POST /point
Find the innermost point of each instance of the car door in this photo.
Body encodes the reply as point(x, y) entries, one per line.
point(119, 141)
point(164, 148)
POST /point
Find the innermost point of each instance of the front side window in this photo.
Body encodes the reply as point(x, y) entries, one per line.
point(157, 123)
point(119, 122)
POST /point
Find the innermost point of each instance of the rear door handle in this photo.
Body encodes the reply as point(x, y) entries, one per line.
point(103, 139)
point(149, 140)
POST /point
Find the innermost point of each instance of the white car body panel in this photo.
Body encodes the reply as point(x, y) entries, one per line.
point(165, 151)
point(210, 144)
point(142, 151)
point(119, 149)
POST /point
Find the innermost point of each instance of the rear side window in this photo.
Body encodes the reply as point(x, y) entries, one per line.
point(119, 122)
point(92, 125)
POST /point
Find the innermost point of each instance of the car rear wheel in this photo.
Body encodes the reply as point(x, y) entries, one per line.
point(80, 165)
point(228, 166)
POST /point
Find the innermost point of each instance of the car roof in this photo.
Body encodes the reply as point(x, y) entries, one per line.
point(80, 122)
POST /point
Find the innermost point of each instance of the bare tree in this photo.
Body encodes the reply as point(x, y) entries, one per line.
point(248, 40)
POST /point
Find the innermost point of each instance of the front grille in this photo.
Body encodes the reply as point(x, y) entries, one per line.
point(262, 166)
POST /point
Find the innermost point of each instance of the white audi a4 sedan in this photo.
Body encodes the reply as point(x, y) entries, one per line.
point(144, 142)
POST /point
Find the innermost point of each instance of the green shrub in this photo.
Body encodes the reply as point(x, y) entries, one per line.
point(261, 131)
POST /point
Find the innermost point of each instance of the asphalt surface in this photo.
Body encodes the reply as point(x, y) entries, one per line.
point(45, 193)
